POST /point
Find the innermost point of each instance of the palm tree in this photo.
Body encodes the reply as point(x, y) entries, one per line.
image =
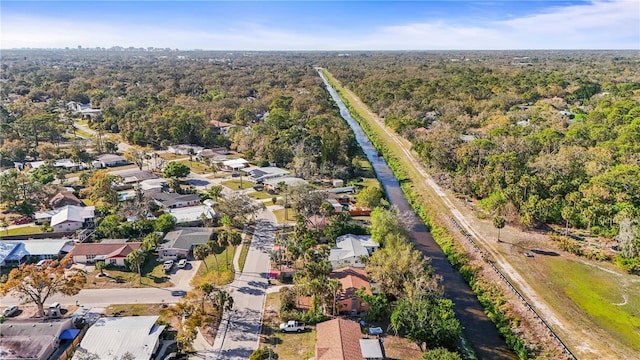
point(201, 252)
point(222, 301)
point(333, 287)
point(499, 222)
point(224, 240)
point(207, 289)
point(100, 266)
point(136, 259)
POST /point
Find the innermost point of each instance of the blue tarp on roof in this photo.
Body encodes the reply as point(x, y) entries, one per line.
point(69, 334)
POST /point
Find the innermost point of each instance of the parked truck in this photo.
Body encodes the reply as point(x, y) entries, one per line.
point(292, 326)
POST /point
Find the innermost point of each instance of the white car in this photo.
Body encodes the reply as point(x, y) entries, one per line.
point(11, 310)
point(182, 263)
point(167, 265)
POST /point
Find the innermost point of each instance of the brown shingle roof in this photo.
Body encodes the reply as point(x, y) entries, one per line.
point(338, 339)
point(351, 279)
point(108, 250)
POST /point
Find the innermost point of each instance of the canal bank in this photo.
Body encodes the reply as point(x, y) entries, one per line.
point(480, 332)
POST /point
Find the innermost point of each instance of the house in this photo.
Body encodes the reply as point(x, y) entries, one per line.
point(341, 339)
point(153, 186)
point(180, 242)
point(64, 198)
point(234, 164)
point(350, 249)
point(114, 337)
point(221, 126)
point(109, 160)
point(185, 149)
point(272, 184)
point(66, 164)
point(192, 214)
point(14, 253)
point(34, 340)
point(213, 155)
point(260, 174)
point(71, 218)
point(131, 177)
point(112, 253)
point(173, 200)
point(351, 279)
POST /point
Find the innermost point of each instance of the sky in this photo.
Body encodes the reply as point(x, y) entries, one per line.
point(323, 25)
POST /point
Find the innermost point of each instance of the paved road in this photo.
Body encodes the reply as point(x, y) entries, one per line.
point(481, 333)
point(239, 332)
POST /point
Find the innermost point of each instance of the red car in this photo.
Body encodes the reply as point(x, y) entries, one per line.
point(22, 220)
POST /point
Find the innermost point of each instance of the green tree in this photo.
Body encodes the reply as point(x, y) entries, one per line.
point(370, 197)
point(164, 223)
point(222, 301)
point(100, 266)
point(175, 169)
point(151, 241)
point(426, 319)
point(135, 259)
point(440, 354)
point(387, 223)
point(265, 353)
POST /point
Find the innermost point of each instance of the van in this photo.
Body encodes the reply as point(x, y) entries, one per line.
point(54, 310)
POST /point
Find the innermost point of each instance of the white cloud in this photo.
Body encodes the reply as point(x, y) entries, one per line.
point(597, 25)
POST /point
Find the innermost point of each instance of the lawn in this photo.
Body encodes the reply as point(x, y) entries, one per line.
point(215, 269)
point(26, 230)
point(235, 184)
point(152, 275)
point(143, 310)
point(288, 346)
point(196, 166)
point(613, 305)
point(259, 195)
point(172, 156)
point(280, 216)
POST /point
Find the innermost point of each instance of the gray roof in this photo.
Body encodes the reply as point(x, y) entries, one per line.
point(170, 199)
point(30, 339)
point(371, 349)
point(109, 158)
point(136, 174)
point(185, 238)
point(112, 337)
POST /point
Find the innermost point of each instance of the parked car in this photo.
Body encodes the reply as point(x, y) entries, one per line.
point(167, 265)
point(10, 311)
point(22, 220)
point(292, 326)
point(182, 263)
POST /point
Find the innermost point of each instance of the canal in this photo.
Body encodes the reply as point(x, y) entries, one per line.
point(479, 331)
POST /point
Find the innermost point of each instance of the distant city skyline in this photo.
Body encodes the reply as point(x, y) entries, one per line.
point(322, 25)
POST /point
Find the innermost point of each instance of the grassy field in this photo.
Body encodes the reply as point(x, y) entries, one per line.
point(26, 230)
point(259, 195)
point(613, 305)
point(217, 272)
point(172, 156)
point(196, 166)
point(152, 275)
point(235, 184)
point(280, 216)
point(292, 346)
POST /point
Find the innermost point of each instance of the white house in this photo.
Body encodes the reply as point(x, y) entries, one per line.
point(111, 252)
point(185, 149)
point(350, 249)
point(260, 174)
point(192, 214)
point(289, 181)
point(71, 218)
point(234, 164)
point(113, 337)
point(109, 160)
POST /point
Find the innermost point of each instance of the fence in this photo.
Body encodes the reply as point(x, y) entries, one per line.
point(511, 287)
